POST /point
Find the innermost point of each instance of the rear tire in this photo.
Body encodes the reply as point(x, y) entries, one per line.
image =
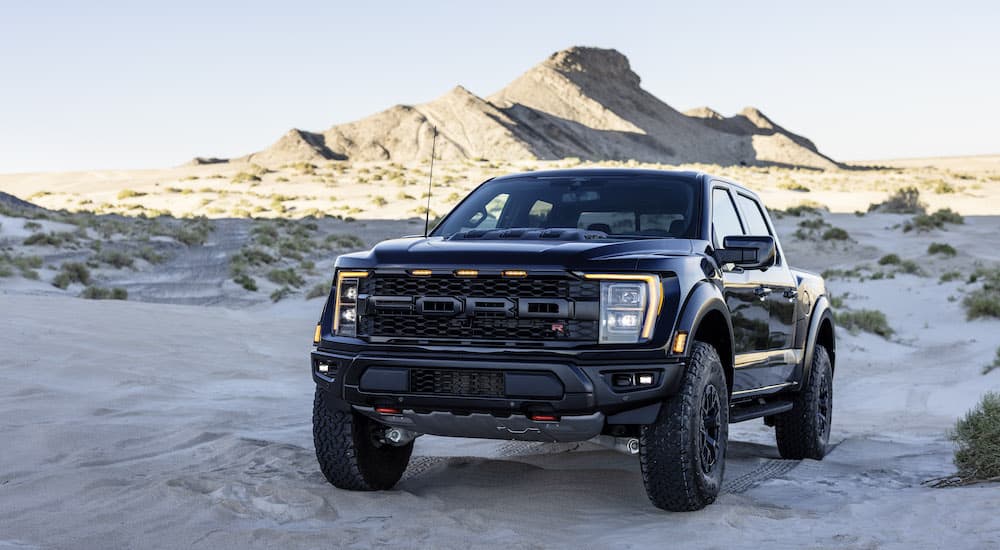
point(804, 431)
point(350, 452)
point(682, 455)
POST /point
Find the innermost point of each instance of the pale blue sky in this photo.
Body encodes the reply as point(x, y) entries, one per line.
point(143, 85)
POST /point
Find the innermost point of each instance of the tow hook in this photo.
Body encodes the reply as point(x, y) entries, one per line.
point(399, 437)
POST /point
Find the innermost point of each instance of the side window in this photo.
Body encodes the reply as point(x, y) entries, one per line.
point(488, 217)
point(725, 220)
point(539, 214)
point(753, 216)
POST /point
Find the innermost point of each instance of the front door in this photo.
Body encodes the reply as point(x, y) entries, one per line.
point(747, 299)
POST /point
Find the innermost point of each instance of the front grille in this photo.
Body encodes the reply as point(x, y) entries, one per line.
point(457, 382)
point(453, 286)
point(401, 307)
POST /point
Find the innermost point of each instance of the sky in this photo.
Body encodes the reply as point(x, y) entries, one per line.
point(115, 85)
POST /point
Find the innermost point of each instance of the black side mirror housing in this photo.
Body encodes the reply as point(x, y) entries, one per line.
point(748, 252)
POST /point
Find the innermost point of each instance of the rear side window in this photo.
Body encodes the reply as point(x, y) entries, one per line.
point(725, 220)
point(753, 216)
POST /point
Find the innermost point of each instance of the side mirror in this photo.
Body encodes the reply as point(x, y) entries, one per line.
point(750, 252)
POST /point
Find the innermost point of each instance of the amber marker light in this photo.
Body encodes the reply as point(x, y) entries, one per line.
point(466, 272)
point(680, 341)
point(421, 272)
point(652, 286)
point(318, 335)
point(515, 273)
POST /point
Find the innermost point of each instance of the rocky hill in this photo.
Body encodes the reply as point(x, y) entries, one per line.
point(580, 102)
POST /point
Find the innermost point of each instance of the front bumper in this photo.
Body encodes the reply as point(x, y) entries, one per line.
point(496, 397)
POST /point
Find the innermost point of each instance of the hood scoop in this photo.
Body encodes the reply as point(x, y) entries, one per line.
point(552, 234)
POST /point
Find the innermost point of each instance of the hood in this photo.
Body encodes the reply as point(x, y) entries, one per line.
point(506, 253)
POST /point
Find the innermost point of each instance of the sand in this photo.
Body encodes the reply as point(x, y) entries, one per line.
point(159, 425)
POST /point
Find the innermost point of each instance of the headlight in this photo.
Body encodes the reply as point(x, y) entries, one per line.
point(345, 313)
point(629, 306)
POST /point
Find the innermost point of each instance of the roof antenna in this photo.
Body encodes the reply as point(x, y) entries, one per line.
point(430, 181)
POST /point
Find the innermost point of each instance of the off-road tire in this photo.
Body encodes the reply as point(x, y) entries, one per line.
point(804, 431)
point(349, 453)
point(672, 457)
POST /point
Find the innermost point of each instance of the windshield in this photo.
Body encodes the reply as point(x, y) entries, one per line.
point(626, 205)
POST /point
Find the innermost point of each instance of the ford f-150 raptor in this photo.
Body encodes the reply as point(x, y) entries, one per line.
point(648, 309)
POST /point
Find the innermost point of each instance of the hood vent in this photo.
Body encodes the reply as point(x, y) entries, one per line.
point(556, 234)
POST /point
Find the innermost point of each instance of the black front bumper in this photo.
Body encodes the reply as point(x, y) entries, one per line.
point(473, 395)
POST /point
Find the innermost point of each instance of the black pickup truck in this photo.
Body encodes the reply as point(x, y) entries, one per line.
point(643, 309)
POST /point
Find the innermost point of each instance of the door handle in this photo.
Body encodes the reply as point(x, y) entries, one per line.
point(790, 293)
point(762, 292)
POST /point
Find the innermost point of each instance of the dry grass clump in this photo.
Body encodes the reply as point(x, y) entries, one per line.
point(943, 249)
point(101, 293)
point(71, 272)
point(25, 265)
point(129, 193)
point(994, 365)
point(977, 435)
point(903, 201)
point(985, 300)
point(868, 320)
point(926, 222)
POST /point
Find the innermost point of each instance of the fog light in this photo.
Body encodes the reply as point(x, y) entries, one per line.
point(645, 379)
point(324, 368)
point(622, 380)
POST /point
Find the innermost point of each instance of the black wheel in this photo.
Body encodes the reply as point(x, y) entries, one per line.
point(804, 431)
point(351, 452)
point(683, 454)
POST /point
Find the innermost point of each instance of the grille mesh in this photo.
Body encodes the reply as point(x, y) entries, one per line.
point(480, 287)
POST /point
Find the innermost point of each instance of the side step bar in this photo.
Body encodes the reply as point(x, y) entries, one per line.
point(741, 413)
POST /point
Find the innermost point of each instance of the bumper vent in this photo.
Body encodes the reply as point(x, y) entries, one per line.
point(457, 382)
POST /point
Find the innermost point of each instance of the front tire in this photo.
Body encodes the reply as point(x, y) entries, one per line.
point(804, 431)
point(682, 455)
point(351, 453)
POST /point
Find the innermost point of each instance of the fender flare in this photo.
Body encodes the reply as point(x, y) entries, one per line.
point(821, 312)
point(704, 298)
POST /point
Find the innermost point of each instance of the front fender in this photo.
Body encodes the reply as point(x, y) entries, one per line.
point(704, 299)
point(821, 313)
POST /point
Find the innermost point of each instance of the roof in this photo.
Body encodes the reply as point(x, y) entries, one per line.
point(571, 172)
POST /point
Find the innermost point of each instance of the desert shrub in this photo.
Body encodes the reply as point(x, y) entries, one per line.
point(379, 200)
point(147, 253)
point(71, 272)
point(245, 281)
point(285, 277)
point(793, 186)
point(835, 234)
point(281, 294)
point(345, 241)
point(977, 435)
point(193, 232)
point(994, 365)
point(942, 187)
point(318, 291)
point(32, 226)
point(903, 201)
point(115, 259)
point(836, 302)
point(941, 248)
point(926, 222)
point(949, 276)
point(808, 207)
point(129, 193)
point(868, 320)
point(245, 177)
point(910, 267)
point(255, 256)
point(50, 239)
point(100, 293)
point(984, 301)
point(889, 259)
point(26, 265)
